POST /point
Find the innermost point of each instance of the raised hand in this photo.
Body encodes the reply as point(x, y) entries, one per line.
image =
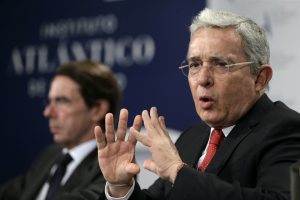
point(115, 154)
point(165, 158)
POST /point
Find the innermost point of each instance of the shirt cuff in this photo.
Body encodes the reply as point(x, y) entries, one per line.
point(126, 197)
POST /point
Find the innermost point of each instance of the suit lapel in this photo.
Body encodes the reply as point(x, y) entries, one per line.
point(197, 140)
point(242, 129)
point(227, 149)
point(37, 184)
point(85, 171)
point(47, 161)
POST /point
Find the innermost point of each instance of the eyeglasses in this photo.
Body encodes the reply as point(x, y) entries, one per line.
point(216, 66)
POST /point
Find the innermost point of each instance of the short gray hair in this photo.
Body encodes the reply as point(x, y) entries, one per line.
point(255, 44)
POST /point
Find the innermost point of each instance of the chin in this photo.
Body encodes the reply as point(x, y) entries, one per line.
point(210, 119)
point(57, 139)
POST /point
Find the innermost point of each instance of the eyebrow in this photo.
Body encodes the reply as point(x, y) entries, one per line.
point(210, 58)
point(59, 98)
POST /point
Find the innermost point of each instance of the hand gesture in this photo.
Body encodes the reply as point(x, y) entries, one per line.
point(165, 158)
point(115, 154)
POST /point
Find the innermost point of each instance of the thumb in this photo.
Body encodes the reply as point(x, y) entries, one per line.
point(132, 168)
point(151, 166)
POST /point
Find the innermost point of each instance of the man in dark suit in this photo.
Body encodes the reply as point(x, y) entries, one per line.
point(81, 94)
point(245, 143)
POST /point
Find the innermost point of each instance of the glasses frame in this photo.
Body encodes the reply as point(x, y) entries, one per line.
point(228, 66)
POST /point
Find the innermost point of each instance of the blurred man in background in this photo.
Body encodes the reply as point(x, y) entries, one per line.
point(80, 95)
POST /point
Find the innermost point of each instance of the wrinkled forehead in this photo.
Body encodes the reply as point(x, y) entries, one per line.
point(215, 42)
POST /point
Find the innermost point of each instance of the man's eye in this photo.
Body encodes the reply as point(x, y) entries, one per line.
point(219, 63)
point(194, 65)
point(61, 100)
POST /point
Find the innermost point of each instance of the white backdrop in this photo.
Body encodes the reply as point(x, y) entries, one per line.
point(281, 20)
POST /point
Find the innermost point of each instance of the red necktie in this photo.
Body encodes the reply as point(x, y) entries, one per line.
point(215, 140)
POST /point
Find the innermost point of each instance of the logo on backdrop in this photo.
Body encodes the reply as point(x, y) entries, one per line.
point(77, 39)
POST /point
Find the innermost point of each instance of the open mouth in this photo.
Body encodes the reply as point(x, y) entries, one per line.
point(205, 99)
point(206, 102)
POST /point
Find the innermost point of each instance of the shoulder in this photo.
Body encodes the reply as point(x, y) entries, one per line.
point(270, 113)
point(51, 149)
point(276, 122)
point(280, 115)
point(48, 154)
point(282, 111)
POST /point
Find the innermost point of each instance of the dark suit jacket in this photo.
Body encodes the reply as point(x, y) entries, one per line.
point(295, 181)
point(85, 182)
point(252, 163)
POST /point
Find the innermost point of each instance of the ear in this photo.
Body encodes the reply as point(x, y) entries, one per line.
point(263, 77)
point(99, 111)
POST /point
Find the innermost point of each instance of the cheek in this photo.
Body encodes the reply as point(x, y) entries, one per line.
point(237, 93)
point(75, 119)
point(65, 116)
point(193, 88)
point(81, 119)
point(69, 119)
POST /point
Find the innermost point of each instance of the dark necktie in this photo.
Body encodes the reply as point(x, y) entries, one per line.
point(215, 140)
point(55, 180)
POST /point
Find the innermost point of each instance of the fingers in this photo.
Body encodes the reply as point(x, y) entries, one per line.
point(163, 124)
point(109, 128)
point(137, 124)
point(144, 139)
point(122, 125)
point(155, 126)
point(150, 121)
point(99, 137)
point(121, 130)
point(146, 119)
point(154, 115)
point(154, 123)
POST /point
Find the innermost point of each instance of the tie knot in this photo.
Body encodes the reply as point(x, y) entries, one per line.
point(216, 137)
point(64, 159)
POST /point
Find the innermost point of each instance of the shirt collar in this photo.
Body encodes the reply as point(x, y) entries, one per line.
point(79, 152)
point(225, 131)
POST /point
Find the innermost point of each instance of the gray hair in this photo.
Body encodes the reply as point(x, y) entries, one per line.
point(255, 43)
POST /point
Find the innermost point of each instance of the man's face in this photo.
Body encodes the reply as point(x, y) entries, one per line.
point(221, 99)
point(70, 121)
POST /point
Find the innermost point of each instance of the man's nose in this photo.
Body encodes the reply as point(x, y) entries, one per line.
point(205, 75)
point(49, 110)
